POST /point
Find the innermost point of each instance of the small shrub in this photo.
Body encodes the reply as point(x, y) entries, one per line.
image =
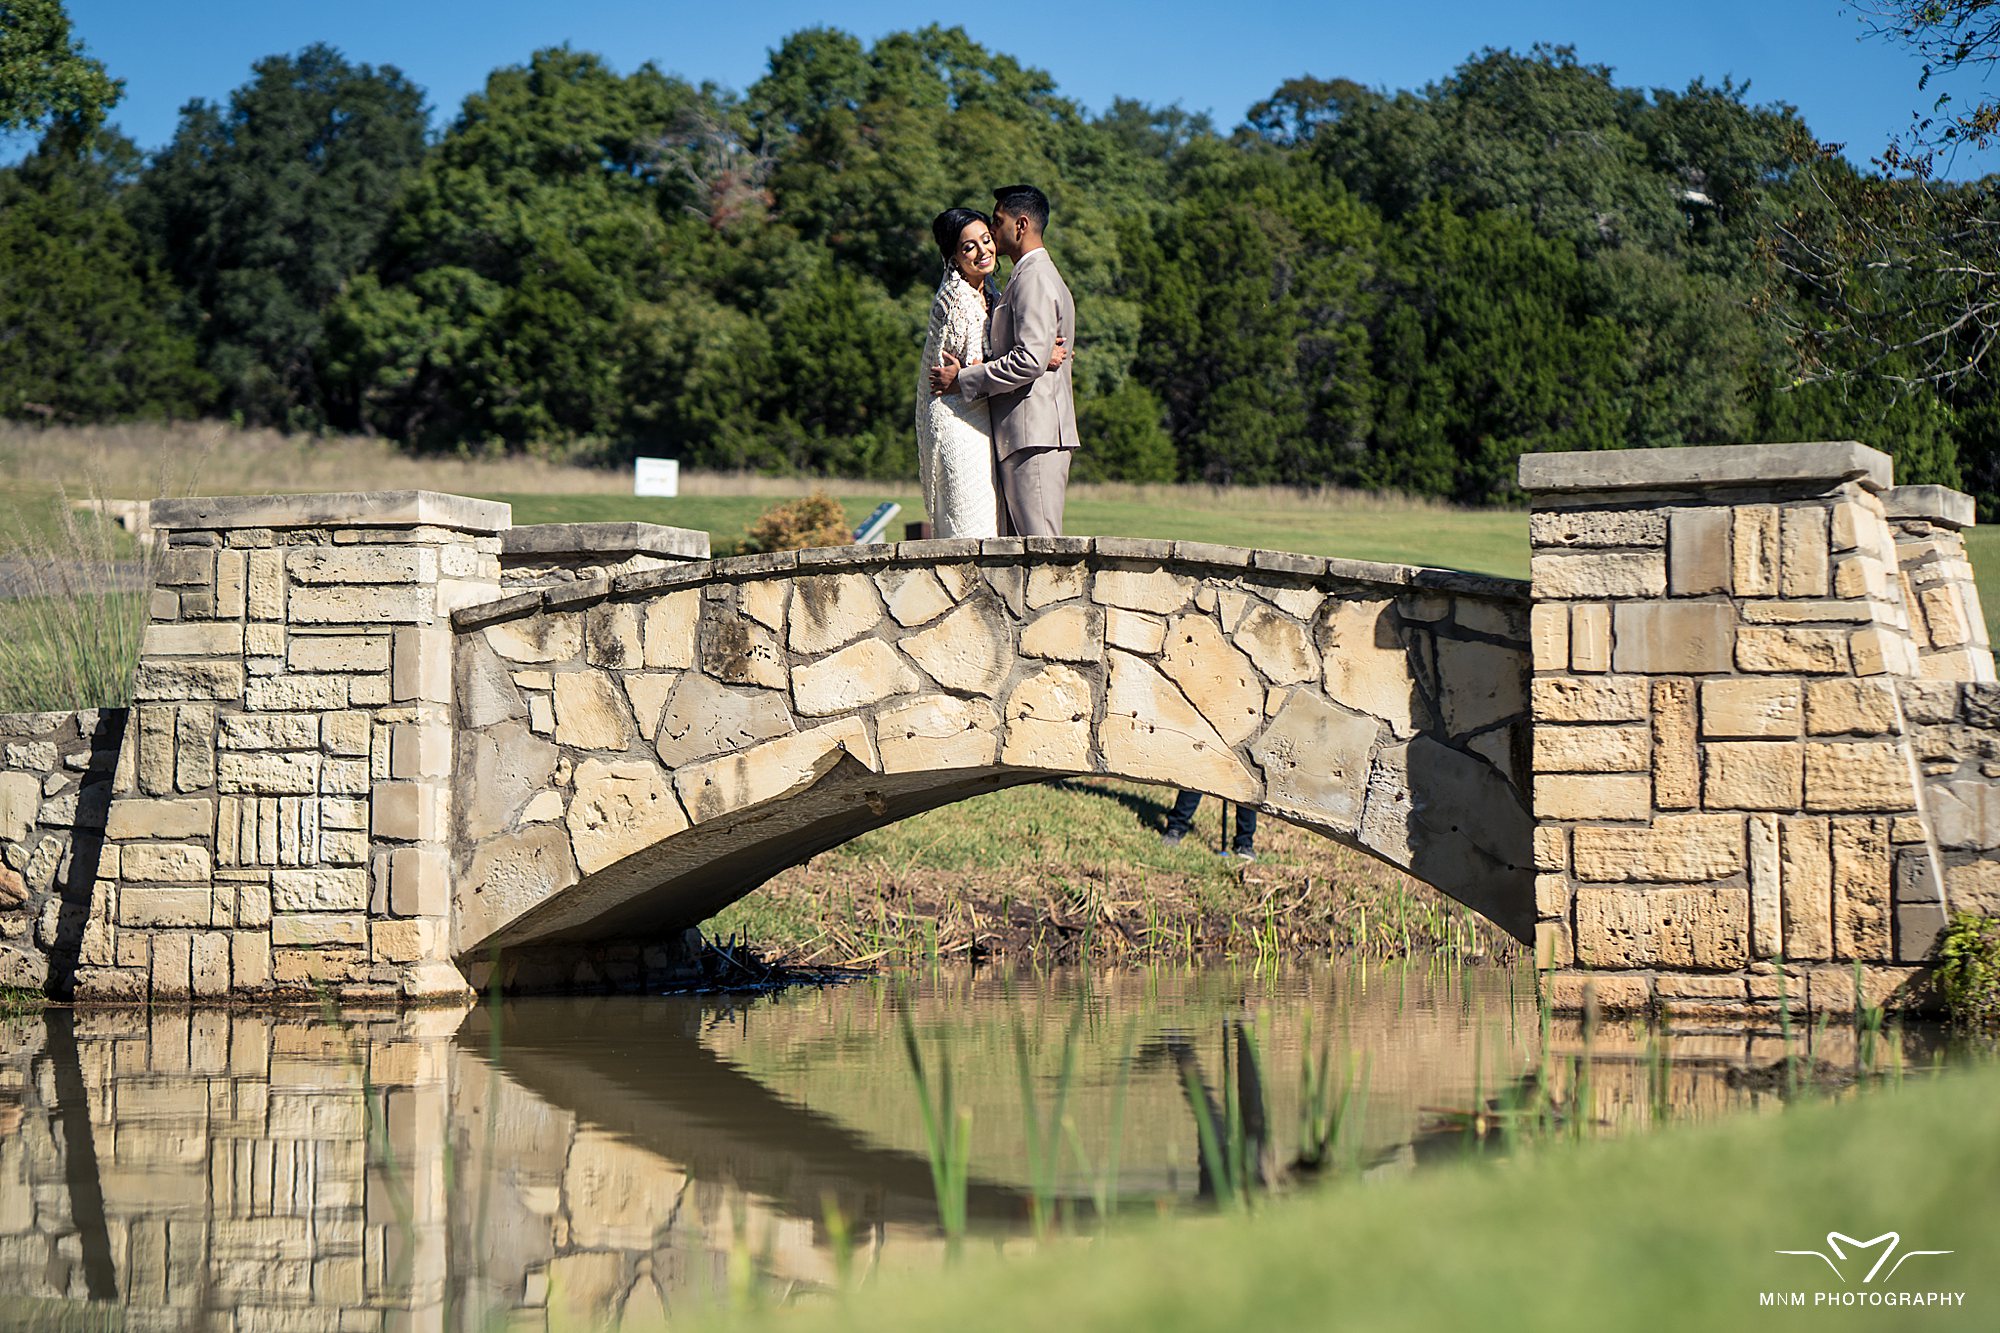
point(816, 520)
point(1969, 970)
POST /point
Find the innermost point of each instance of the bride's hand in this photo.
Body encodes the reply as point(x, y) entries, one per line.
point(1060, 355)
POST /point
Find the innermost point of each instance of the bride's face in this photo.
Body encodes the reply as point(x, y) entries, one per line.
point(975, 255)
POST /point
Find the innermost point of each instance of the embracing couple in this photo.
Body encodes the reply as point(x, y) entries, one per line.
point(996, 421)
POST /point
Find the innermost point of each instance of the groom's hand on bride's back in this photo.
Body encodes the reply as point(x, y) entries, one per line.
point(944, 376)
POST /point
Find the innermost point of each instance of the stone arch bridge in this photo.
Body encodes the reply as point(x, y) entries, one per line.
point(1743, 711)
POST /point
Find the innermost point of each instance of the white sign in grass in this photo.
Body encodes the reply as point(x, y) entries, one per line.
point(656, 476)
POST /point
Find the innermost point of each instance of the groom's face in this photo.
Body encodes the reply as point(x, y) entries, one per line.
point(1008, 228)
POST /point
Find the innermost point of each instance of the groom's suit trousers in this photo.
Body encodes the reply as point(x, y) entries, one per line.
point(1032, 485)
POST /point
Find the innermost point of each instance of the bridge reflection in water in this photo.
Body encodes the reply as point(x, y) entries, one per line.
point(589, 1160)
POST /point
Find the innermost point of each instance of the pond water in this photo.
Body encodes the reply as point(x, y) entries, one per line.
point(560, 1163)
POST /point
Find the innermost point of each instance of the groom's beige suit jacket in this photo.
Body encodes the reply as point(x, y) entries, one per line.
point(1033, 408)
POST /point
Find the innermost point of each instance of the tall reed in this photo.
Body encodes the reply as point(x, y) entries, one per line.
point(74, 610)
point(947, 1134)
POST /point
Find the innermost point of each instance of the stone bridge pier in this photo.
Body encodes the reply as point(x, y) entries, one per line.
point(1738, 737)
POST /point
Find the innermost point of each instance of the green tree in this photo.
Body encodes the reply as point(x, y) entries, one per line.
point(46, 80)
point(86, 328)
point(267, 209)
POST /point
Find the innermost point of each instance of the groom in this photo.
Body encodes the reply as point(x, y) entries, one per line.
point(1034, 414)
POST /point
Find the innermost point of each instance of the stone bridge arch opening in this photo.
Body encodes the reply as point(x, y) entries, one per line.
point(634, 753)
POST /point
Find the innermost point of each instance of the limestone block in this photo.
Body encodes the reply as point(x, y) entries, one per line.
point(269, 731)
point(1009, 583)
point(185, 566)
point(1804, 651)
point(1590, 637)
point(1694, 927)
point(1944, 616)
point(187, 680)
point(362, 564)
point(345, 777)
point(172, 954)
point(1600, 699)
point(648, 693)
point(405, 941)
point(764, 600)
point(611, 636)
point(774, 770)
point(165, 863)
point(938, 732)
point(1216, 678)
point(268, 773)
point(1554, 946)
point(1861, 575)
point(1676, 764)
point(423, 666)
point(1593, 796)
point(407, 811)
point(1834, 707)
point(548, 637)
point(202, 639)
point(265, 591)
point(1152, 733)
point(959, 579)
point(620, 809)
point(1048, 584)
point(1672, 638)
point(870, 671)
point(704, 718)
point(1754, 550)
point(1598, 527)
point(1552, 895)
point(339, 652)
point(1155, 590)
point(829, 610)
point(1859, 776)
point(135, 818)
point(377, 604)
point(231, 571)
point(1861, 889)
point(1551, 849)
point(915, 597)
point(1974, 887)
point(1674, 849)
point(1593, 749)
point(20, 795)
point(487, 692)
point(1965, 813)
point(1698, 551)
point(1805, 868)
point(738, 650)
point(509, 875)
point(590, 714)
point(318, 930)
point(417, 750)
point(1370, 664)
point(1805, 562)
point(419, 883)
point(250, 959)
point(1879, 651)
point(1752, 708)
point(1483, 683)
point(1298, 603)
point(1048, 722)
point(1752, 775)
point(319, 890)
point(1134, 631)
point(1806, 612)
point(297, 694)
point(1277, 645)
point(1766, 924)
point(1548, 636)
point(668, 629)
point(504, 765)
point(1591, 575)
point(149, 906)
point(970, 650)
point(1072, 633)
point(1316, 758)
point(543, 807)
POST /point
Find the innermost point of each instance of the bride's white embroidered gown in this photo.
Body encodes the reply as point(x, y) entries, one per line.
point(955, 464)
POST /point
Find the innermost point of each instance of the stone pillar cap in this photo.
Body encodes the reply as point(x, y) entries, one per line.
point(579, 539)
point(358, 509)
point(1933, 504)
point(1707, 465)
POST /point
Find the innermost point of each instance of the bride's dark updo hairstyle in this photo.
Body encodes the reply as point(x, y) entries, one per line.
point(945, 230)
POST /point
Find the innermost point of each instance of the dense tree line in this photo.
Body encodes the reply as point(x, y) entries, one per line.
point(1354, 287)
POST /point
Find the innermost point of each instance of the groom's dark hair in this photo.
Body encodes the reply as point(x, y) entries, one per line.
point(1023, 201)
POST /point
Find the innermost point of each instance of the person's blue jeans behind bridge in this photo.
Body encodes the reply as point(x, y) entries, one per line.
point(1181, 818)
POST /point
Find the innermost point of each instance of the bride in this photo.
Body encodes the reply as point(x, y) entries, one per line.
point(955, 459)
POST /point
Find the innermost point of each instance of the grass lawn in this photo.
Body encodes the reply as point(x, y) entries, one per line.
point(1678, 1229)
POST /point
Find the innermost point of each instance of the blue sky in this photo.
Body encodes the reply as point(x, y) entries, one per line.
point(1218, 57)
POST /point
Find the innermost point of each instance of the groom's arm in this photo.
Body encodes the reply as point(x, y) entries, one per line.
point(1035, 331)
